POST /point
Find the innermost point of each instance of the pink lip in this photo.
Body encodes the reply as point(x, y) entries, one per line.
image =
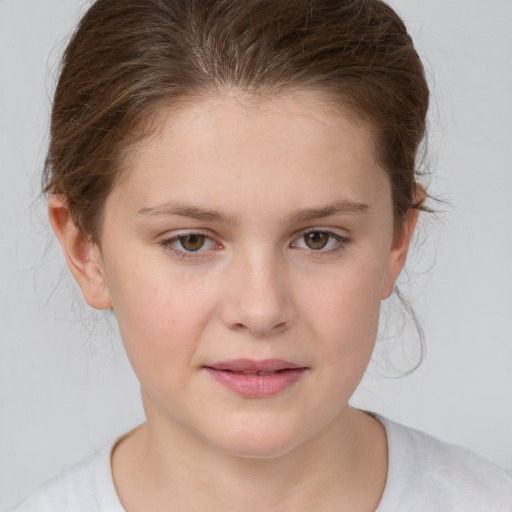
point(256, 379)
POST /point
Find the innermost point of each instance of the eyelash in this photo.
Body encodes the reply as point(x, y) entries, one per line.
point(168, 243)
point(340, 242)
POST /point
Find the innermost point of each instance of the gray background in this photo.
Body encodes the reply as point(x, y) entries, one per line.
point(65, 385)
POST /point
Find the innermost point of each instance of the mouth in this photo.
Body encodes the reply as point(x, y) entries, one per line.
point(263, 374)
point(256, 379)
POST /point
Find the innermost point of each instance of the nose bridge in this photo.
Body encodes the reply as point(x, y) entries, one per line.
point(257, 296)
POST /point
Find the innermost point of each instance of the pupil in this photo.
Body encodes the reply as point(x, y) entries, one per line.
point(192, 242)
point(316, 240)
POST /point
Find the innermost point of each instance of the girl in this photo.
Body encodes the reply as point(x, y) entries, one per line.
point(236, 181)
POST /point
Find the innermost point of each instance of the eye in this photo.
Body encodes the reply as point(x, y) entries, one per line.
point(189, 243)
point(318, 240)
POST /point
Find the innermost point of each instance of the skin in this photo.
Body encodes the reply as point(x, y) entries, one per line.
point(266, 173)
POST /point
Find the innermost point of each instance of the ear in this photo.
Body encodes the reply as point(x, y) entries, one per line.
point(82, 255)
point(401, 243)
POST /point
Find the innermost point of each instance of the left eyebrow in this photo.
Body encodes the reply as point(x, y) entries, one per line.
point(335, 208)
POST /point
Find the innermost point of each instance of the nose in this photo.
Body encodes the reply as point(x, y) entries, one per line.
point(257, 299)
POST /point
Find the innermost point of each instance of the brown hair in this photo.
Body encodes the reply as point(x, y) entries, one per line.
point(129, 59)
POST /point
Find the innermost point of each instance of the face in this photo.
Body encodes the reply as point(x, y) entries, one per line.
point(246, 255)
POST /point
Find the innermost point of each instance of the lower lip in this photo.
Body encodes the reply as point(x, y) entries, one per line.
point(257, 386)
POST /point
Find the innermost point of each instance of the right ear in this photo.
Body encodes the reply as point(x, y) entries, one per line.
point(82, 254)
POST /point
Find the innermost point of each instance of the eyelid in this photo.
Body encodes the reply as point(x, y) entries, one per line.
point(341, 240)
point(167, 242)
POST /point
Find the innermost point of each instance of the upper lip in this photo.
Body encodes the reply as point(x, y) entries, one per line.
point(253, 366)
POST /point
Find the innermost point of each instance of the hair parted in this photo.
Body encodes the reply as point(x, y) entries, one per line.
point(131, 59)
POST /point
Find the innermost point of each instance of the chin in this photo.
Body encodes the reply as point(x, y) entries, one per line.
point(267, 442)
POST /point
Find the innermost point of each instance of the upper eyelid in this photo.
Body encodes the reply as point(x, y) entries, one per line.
point(339, 232)
point(174, 235)
point(206, 232)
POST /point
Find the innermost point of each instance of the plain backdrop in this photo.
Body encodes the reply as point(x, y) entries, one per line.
point(65, 385)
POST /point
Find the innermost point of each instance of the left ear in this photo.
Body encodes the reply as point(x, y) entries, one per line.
point(400, 247)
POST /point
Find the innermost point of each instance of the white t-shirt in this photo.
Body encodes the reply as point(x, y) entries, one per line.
point(424, 475)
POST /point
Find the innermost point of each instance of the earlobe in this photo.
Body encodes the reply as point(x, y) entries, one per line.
point(399, 250)
point(82, 255)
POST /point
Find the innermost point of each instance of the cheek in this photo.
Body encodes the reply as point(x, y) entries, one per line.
point(161, 318)
point(345, 311)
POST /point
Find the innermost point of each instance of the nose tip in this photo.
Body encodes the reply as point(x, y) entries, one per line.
point(258, 303)
point(259, 315)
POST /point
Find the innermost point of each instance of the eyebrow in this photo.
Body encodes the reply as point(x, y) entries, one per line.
point(336, 208)
point(300, 215)
point(185, 210)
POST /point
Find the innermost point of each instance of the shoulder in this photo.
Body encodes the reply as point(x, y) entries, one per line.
point(86, 487)
point(427, 474)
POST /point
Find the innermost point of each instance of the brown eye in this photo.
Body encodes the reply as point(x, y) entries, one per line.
point(192, 243)
point(316, 240)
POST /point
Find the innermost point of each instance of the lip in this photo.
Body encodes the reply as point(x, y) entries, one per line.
point(256, 379)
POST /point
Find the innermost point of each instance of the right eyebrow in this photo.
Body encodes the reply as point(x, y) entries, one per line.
point(186, 210)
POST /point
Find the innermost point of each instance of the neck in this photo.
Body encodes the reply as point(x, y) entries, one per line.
point(342, 468)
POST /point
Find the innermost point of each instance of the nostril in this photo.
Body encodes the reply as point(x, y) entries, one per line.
point(256, 330)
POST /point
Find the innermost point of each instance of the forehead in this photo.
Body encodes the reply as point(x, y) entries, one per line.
point(287, 148)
